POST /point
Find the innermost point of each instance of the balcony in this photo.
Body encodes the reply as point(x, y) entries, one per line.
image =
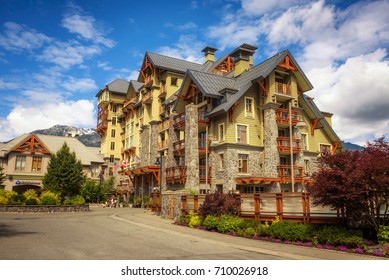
point(148, 97)
point(284, 172)
point(283, 145)
point(282, 117)
point(202, 145)
point(179, 148)
point(176, 175)
point(202, 175)
point(163, 126)
point(102, 123)
point(283, 88)
point(179, 120)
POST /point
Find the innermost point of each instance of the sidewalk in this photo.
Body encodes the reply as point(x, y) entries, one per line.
point(148, 220)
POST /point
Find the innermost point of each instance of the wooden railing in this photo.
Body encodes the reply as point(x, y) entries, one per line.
point(162, 144)
point(295, 207)
point(284, 172)
point(148, 97)
point(202, 174)
point(176, 174)
point(282, 116)
point(283, 88)
point(163, 125)
point(179, 147)
point(283, 145)
point(179, 120)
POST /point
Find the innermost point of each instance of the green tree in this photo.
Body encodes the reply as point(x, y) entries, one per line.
point(94, 192)
point(2, 179)
point(64, 173)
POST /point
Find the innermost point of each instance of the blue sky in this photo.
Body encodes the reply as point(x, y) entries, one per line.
point(56, 55)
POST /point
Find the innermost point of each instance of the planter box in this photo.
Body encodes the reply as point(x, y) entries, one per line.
point(44, 208)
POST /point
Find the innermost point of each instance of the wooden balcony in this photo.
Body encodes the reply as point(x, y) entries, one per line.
point(283, 145)
point(163, 126)
point(282, 116)
point(179, 121)
point(102, 123)
point(176, 175)
point(283, 88)
point(148, 97)
point(203, 179)
point(202, 145)
point(284, 172)
point(179, 148)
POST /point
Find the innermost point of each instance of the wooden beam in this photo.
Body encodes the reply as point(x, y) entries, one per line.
point(313, 125)
point(287, 64)
point(232, 109)
point(335, 146)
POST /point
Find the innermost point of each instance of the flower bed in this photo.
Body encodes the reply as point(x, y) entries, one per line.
point(43, 208)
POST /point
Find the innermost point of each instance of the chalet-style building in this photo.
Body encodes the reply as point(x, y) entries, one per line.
point(226, 125)
point(26, 157)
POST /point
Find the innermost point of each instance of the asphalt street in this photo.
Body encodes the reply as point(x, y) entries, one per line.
point(132, 234)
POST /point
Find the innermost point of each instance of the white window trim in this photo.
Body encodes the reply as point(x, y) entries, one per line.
point(221, 126)
point(252, 108)
point(325, 144)
point(247, 131)
point(307, 141)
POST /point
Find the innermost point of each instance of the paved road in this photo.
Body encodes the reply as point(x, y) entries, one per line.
point(131, 234)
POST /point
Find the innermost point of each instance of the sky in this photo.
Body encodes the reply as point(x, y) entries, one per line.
point(56, 55)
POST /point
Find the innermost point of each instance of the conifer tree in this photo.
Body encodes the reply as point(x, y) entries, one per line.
point(2, 179)
point(64, 173)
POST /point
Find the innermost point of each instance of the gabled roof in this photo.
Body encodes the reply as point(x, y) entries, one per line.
point(257, 73)
point(119, 86)
point(210, 84)
point(171, 63)
point(86, 155)
point(136, 85)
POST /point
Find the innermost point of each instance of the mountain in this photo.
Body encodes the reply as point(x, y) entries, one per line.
point(352, 147)
point(88, 136)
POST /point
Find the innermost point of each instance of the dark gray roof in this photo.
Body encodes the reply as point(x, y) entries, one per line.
point(119, 86)
point(136, 85)
point(210, 84)
point(171, 63)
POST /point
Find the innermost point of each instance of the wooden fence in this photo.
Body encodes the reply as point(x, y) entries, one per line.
point(295, 207)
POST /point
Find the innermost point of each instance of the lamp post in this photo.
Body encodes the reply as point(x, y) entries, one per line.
point(159, 162)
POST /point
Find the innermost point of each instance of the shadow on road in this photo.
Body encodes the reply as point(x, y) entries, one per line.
point(7, 231)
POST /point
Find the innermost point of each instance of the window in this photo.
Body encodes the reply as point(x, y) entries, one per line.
point(242, 166)
point(241, 134)
point(113, 121)
point(249, 103)
point(113, 133)
point(304, 143)
point(111, 158)
point(221, 166)
point(221, 132)
point(94, 170)
point(36, 163)
point(114, 108)
point(325, 147)
point(112, 146)
point(173, 81)
point(307, 168)
point(20, 163)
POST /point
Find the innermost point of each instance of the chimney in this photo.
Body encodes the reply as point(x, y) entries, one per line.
point(209, 54)
point(243, 57)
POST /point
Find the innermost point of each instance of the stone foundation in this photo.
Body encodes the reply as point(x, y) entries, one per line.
point(43, 208)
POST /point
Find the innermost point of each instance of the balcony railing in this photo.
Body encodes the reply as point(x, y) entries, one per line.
point(179, 147)
point(162, 144)
point(282, 116)
point(283, 145)
point(284, 172)
point(176, 175)
point(179, 120)
point(148, 97)
point(283, 88)
point(163, 126)
point(202, 171)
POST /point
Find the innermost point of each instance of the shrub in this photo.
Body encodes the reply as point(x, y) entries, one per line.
point(17, 199)
point(211, 222)
point(184, 219)
point(3, 200)
point(291, 231)
point(336, 236)
point(250, 224)
point(194, 219)
point(50, 198)
point(383, 234)
point(75, 200)
point(30, 194)
point(263, 229)
point(31, 201)
point(229, 224)
point(218, 204)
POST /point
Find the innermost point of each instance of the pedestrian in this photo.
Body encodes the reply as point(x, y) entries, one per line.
point(114, 203)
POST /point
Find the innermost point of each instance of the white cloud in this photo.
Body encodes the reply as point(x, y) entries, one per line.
point(357, 93)
point(87, 28)
point(24, 119)
point(17, 37)
point(187, 47)
point(104, 65)
point(79, 85)
point(257, 8)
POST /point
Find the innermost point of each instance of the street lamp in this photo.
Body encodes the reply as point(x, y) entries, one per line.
point(159, 162)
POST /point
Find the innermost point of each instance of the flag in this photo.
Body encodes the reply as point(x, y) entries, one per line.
point(137, 159)
point(115, 166)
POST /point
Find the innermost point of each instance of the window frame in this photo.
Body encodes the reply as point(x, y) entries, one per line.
point(241, 163)
point(249, 114)
point(237, 134)
point(221, 132)
point(37, 162)
point(20, 165)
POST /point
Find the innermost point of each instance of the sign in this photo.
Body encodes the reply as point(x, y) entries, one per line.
point(27, 183)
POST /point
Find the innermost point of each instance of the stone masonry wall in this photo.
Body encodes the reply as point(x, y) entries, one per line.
point(144, 153)
point(192, 148)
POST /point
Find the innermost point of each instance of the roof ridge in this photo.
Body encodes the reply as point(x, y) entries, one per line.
point(187, 61)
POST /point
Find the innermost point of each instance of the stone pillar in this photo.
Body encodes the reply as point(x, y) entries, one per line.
point(144, 153)
point(153, 142)
point(271, 155)
point(192, 148)
point(170, 161)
